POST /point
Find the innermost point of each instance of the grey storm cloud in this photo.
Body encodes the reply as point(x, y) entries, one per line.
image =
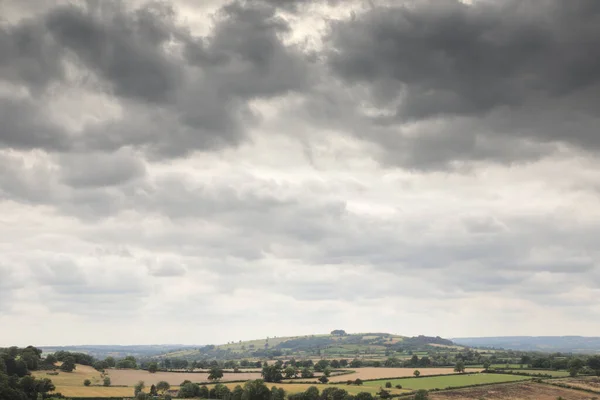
point(485, 76)
point(182, 92)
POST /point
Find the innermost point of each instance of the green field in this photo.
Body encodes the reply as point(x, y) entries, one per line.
point(541, 371)
point(442, 382)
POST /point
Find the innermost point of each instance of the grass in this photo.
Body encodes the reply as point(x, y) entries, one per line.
point(442, 382)
point(540, 371)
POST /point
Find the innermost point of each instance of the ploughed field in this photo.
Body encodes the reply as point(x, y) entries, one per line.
point(512, 391)
point(381, 373)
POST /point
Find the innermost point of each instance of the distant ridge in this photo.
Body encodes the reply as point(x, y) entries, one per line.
point(568, 344)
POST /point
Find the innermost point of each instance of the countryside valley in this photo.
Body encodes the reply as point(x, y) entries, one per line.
point(335, 366)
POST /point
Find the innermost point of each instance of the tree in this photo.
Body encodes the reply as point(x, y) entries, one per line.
point(152, 368)
point(312, 393)
point(307, 373)
point(363, 396)
point(68, 365)
point(221, 391)
point(139, 387)
point(291, 372)
point(323, 379)
point(335, 364)
point(277, 393)
point(573, 371)
point(327, 371)
point(358, 382)
point(338, 332)
point(487, 364)
point(272, 373)
point(422, 394)
point(142, 396)
point(153, 391)
point(110, 361)
point(50, 359)
point(190, 390)
point(87, 382)
point(203, 393)
point(356, 363)
point(417, 373)
point(388, 385)
point(384, 394)
point(106, 381)
point(215, 374)
point(237, 393)
point(256, 390)
point(459, 367)
point(163, 386)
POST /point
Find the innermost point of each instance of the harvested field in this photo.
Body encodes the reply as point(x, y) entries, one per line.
point(129, 377)
point(583, 382)
point(291, 388)
point(381, 373)
point(75, 378)
point(95, 391)
point(512, 391)
point(441, 382)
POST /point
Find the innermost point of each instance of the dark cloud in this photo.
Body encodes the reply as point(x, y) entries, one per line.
point(179, 92)
point(506, 71)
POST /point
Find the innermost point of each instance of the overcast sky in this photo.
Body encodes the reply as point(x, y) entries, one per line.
point(204, 171)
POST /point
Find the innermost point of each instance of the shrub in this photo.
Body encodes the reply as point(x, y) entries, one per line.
point(422, 395)
point(388, 385)
point(106, 381)
point(398, 386)
point(87, 382)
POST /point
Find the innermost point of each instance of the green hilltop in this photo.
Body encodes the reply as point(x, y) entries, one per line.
point(337, 344)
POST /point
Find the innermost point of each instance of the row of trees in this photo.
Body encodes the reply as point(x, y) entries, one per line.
point(16, 382)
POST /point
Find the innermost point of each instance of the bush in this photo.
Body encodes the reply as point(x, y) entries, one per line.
point(106, 381)
point(421, 395)
point(388, 385)
point(398, 386)
point(87, 382)
point(358, 382)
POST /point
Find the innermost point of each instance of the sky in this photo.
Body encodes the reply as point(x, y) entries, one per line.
point(199, 172)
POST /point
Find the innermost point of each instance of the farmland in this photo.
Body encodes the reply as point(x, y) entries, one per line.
point(381, 373)
point(441, 382)
point(129, 377)
point(591, 383)
point(511, 391)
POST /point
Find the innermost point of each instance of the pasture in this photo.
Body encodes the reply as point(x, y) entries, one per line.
point(381, 373)
point(441, 382)
point(512, 391)
point(555, 374)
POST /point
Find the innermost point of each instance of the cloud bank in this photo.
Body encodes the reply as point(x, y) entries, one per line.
point(419, 167)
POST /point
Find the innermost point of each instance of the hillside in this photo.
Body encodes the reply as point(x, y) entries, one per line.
point(372, 345)
point(570, 344)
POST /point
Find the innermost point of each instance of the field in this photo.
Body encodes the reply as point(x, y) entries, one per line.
point(95, 391)
point(130, 377)
point(301, 387)
point(512, 391)
point(555, 374)
point(441, 382)
point(583, 382)
point(381, 373)
point(75, 378)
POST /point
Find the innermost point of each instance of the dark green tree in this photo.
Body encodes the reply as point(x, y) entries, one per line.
point(215, 374)
point(68, 365)
point(272, 373)
point(152, 368)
